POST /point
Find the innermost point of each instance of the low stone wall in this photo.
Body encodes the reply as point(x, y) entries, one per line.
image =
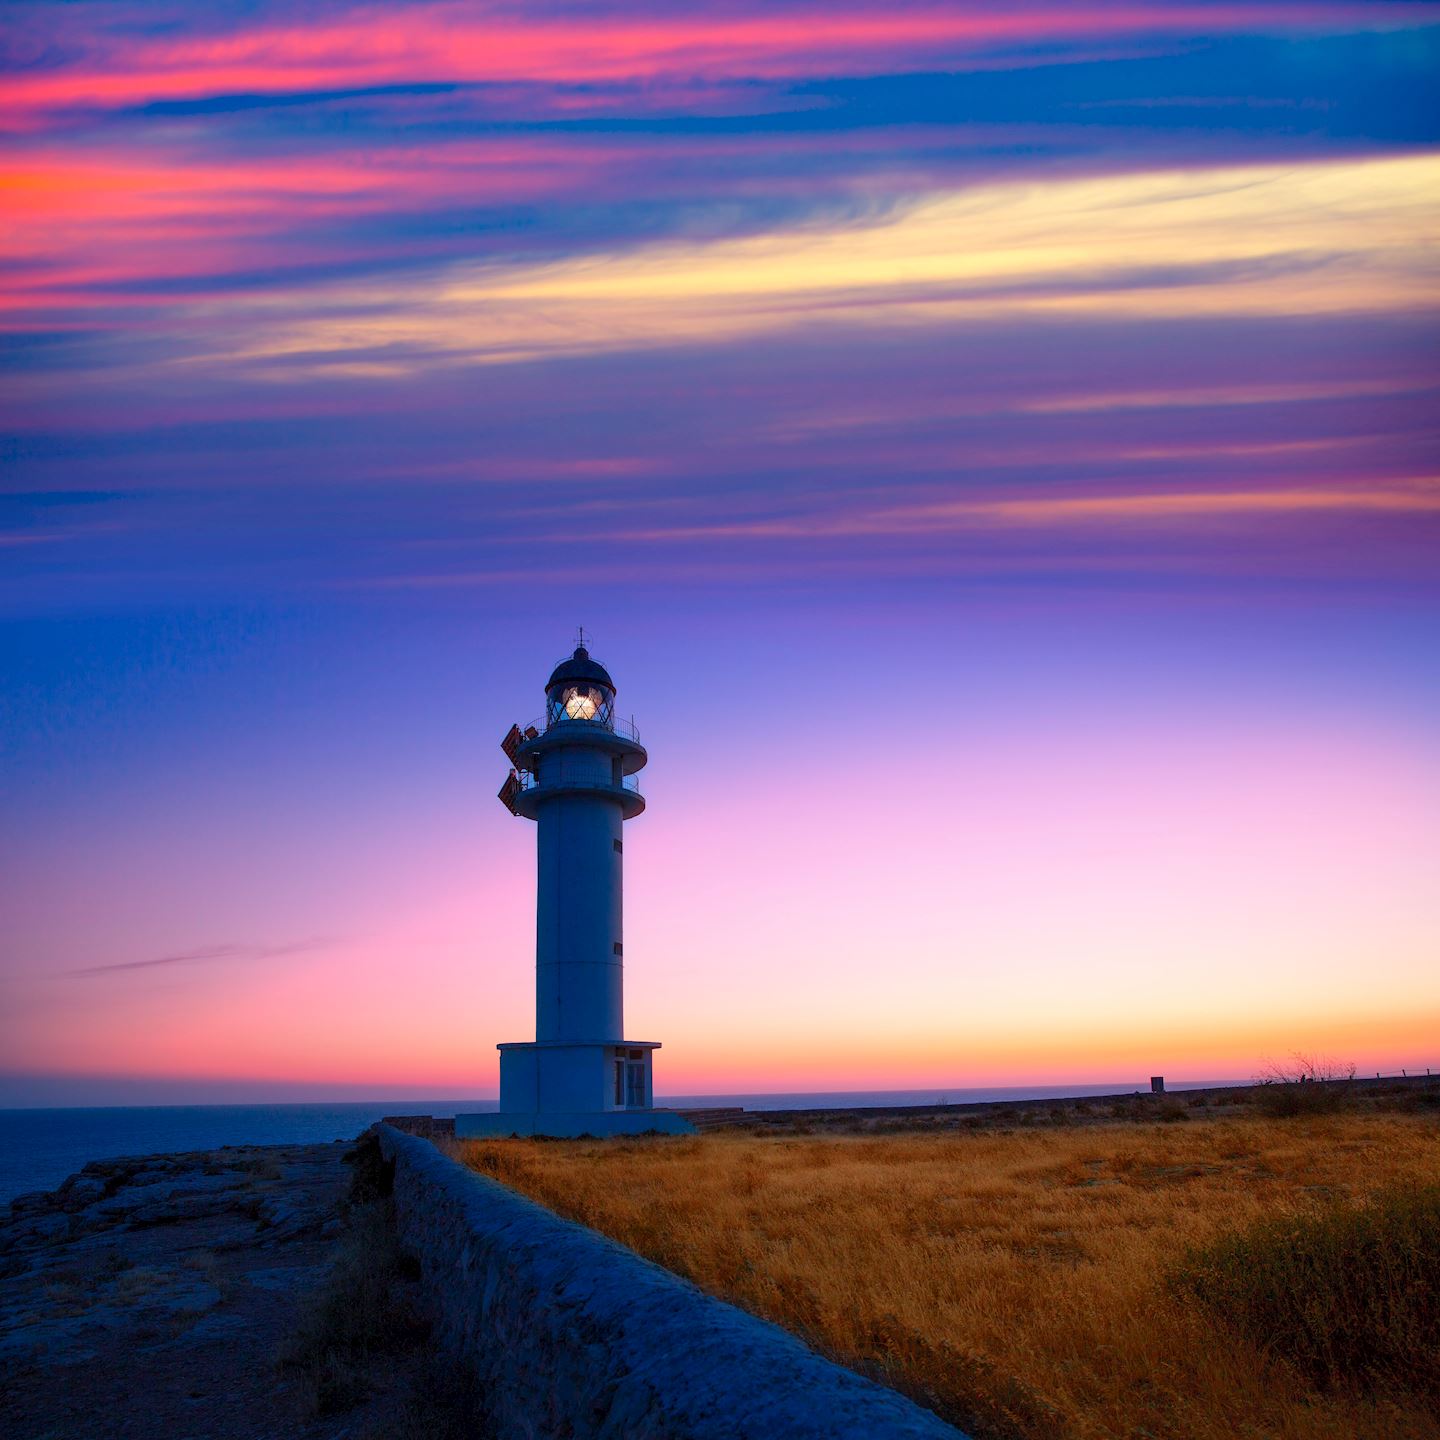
point(426, 1126)
point(574, 1335)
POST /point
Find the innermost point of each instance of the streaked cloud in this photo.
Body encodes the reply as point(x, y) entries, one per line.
point(1210, 396)
point(1422, 498)
point(203, 954)
point(1318, 239)
point(367, 46)
point(139, 180)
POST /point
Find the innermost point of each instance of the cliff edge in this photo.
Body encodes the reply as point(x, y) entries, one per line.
point(180, 1295)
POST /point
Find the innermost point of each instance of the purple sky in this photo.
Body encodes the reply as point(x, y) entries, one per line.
point(994, 450)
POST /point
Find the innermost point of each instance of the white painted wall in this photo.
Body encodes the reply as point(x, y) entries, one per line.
point(579, 918)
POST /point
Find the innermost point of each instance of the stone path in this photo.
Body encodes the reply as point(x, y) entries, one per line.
point(150, 1297)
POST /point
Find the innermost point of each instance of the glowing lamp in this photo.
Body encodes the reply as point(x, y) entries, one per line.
point(581, 704)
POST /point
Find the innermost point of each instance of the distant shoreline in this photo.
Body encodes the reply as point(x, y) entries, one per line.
point(754, 1099)
point(1195, 1095)
point(41, 1146)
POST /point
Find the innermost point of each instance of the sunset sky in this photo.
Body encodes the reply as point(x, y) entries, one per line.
point(993, 448)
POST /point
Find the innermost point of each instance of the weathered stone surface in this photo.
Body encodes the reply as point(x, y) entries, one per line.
point(146, 1298)
point(285, 1278)
point(38, 1228)
point(154, 1197)
point(574, 1335)
point(81, 1190)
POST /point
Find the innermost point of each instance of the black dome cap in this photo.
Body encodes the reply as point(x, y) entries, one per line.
point(582, 668)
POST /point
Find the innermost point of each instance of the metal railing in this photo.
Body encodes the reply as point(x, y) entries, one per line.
point(626, 729)
point(526, 780)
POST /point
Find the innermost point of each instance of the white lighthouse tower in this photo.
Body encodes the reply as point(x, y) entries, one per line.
point(574, 774)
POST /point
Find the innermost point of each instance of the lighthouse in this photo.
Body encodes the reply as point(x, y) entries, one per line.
point(574, 772)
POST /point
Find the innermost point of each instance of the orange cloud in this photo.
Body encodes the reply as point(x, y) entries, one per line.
point(171, 216)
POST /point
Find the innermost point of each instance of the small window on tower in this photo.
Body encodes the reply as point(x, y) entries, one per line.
point(619, 847)
point(619, 948)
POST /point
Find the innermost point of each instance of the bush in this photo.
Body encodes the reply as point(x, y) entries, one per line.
point(1408, 1101)
point(1303, 1085)
point(1283, 1100)
point(362, 1312)
point(1349, 1296)
point(372, 1177)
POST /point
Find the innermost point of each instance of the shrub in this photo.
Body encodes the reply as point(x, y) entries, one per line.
point(1173, 1110)
point(372, 1177)
point(363, 1311)
point(1283, 1100)
point(1350, 1296)
point(1407, 1101)
point(1303, 1085)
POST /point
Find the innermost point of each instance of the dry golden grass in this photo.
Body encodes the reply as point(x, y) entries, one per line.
point(1016, 1282)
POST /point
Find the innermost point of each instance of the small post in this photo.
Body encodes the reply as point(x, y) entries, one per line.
point(1157, 1084)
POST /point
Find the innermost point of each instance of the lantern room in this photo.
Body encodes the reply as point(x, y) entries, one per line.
point(579, 689)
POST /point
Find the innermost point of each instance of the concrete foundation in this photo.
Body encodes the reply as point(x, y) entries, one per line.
point(574, 1126)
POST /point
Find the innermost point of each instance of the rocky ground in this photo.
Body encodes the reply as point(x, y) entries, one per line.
point(163, 1296)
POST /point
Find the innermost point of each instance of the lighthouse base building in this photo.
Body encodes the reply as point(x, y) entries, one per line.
point(566, 1090)
point(574, 774)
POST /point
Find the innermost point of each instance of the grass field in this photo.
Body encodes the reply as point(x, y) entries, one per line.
point(1019, 1282)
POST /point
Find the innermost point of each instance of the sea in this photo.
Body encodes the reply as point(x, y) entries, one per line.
point(40, 1147)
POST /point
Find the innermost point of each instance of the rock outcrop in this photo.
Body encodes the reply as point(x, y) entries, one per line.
point(150, 1296)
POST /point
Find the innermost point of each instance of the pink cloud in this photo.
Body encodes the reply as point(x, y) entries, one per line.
point(448, 44)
